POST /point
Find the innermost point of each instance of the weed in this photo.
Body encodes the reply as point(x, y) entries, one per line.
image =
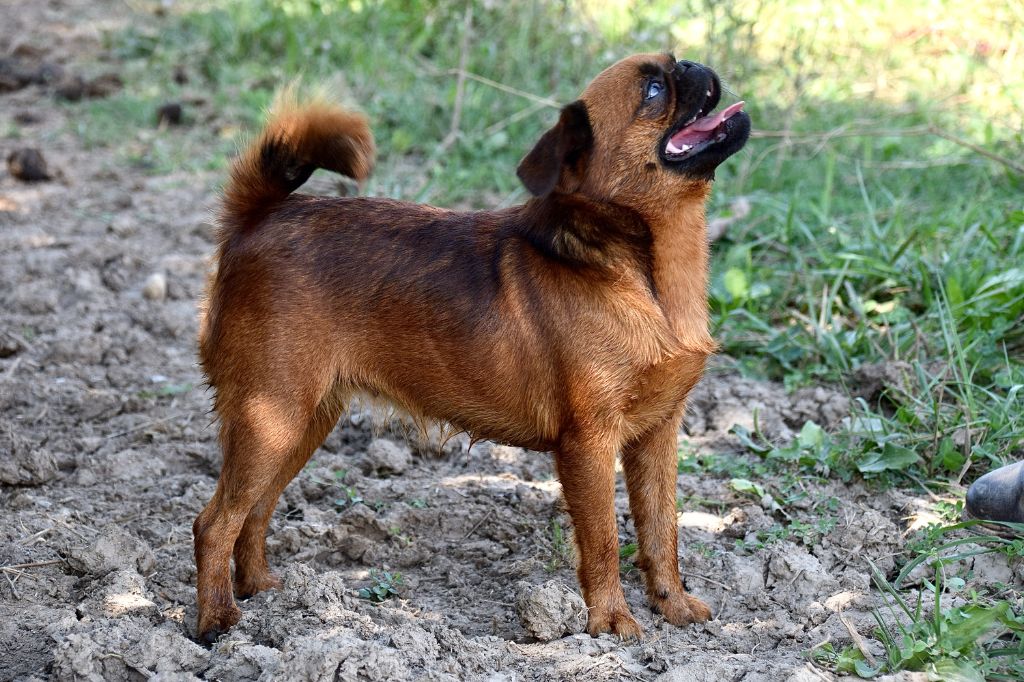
point(397, 534)
point(384, 586)
point(976, 641)
point(626, 554)
point(561, 552)
point(349, 498)
point(801, 532)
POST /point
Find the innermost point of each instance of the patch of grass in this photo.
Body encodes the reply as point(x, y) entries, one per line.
point(978, 640)
point(626, 553)
point(931, 545)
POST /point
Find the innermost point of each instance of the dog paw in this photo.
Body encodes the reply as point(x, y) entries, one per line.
point(616, 621)
point(212, 626)
point(680, 608)
point(247, 587)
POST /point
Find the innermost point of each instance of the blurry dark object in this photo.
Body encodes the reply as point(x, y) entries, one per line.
point(180, 75)
point(71, 88)
point(17, 73)
point(998, 495)
point(169, 114)
point(103, 85)
point(27, 164)
point(26, 117)
point(74, 88)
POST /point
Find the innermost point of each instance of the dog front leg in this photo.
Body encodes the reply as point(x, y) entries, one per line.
point(586, 469)
point(650, 465)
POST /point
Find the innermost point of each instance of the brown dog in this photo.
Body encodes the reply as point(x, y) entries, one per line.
point(576, 323)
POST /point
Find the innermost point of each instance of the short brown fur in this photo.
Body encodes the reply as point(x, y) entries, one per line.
point(576, 323)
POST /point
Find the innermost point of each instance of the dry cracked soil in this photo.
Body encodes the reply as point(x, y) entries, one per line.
point(107, 455)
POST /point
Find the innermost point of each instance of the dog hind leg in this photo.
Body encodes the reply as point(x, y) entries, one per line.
point(262, 439)
point(252, 574)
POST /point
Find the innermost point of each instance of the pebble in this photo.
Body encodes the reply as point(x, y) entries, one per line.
point(155, 288)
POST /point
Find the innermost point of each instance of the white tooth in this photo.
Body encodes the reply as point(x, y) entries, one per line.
point(671, 148)
point(708, 93)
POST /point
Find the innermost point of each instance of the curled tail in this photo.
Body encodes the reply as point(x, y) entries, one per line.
point(298, 139)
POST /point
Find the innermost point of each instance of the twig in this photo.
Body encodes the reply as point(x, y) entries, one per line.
point(478, 523)
point(146, 425)
point(36, 536)
point(840, 132)
point(1017, 167)
point(13, 368)
point(525, 112)
point(820, 675)
point(32, 564)
point(20, 339)
point(546, 101)
point(460, 83)
point(10, 582)
point(707, 580)
point(789, 138)
point(859, 641)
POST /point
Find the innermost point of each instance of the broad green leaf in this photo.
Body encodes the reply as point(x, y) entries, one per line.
point(811, 435)
point(970, 623)
point(952, 670)
point(736, 283)
point(891, 457)
point(742, 485)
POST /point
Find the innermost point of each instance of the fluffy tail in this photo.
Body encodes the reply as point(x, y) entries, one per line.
point(299, 138)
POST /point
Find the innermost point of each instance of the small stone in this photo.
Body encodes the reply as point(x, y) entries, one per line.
point(155, 288)
point(28, 165)
point(387, 457)
point(551, 610)
point(123, 225)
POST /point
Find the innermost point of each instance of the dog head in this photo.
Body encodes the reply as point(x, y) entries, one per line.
point(643, 130)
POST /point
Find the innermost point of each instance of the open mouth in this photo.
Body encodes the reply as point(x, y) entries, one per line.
point(700, 132)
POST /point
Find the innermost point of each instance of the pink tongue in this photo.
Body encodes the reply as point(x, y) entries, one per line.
point(699, 129)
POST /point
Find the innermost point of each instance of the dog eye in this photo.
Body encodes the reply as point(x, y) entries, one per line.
point(654, 89)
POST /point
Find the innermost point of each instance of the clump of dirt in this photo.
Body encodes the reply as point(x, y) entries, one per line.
point(107, 455)
point(27, 164)
point(550, 610)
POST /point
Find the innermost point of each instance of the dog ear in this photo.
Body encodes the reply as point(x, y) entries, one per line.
point(560, 155)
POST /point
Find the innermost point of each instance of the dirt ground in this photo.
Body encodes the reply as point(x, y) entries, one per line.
point(107, 455)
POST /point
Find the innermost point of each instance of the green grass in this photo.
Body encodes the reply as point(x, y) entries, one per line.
point(972, 639)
